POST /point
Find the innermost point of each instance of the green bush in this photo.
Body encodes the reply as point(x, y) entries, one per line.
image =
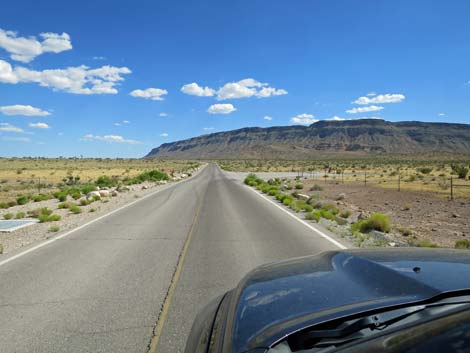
point(41, 197)
point(299, 186)
point(427, 244)
point(20, 215)
point(315, 216)
point(75, 209)
point(331, 208)
point(76, 195)
point(84, 202)
point(22, 199)
point(316, 187)
point(8, 216)
point(105, 180)
point(11, 203)
point(64, 205)
point(460, 170)
point(462, 244)
point(345, 214)
point(424, 170)
point(92, 210)
point(288, 200)
point(49, 218)
point(54, 229)
point(377, 221)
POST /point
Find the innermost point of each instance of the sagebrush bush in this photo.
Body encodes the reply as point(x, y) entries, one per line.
point(462, 244)
point(22, 199)
point(20, 215)
point(75, 209)
point(377, 221)
point(64, 205)
point(345, 214)
point(8, 216)
point(54, 229)
point(316, 187)
point(299, 186)
point(49, 218)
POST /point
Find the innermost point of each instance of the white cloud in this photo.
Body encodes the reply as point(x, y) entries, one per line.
point(221, 109)
point(99, 58)
point(371, 94)
point(163, 114)
point(303, 119)
point(109, 138)
point(208, 128)
point(6, 127)
point(194, 89)
point(370, 108)
point(369, 117)
point(164, 134)
point(16, 139)
point(380, 99)
point(336, 118)
point(441, 114)
point(25, 110)
point(78, 80)
point(246, 88)
point(39, 125)
point(154, 94)
point(267, 117)
point(26, 49)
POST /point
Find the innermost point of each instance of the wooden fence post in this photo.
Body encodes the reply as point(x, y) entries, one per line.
point(399, 177)
point(451, 188)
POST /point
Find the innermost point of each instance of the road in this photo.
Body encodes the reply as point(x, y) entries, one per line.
point(102, 287)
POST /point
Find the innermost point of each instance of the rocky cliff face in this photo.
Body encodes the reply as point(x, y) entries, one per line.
point(345, 138)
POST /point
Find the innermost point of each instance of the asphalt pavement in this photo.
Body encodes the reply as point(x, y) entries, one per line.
point(134, 280)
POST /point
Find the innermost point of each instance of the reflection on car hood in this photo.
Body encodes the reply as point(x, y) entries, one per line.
point(277, 299)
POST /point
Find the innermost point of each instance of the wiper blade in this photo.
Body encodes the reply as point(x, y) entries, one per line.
point(373, 322)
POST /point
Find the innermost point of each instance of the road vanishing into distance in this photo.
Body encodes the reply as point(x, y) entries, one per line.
point(102, 287)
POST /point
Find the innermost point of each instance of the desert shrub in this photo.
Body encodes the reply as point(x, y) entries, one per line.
point(40, 212)
point(424, 170)
point(64, 205)
point(152, 175)
point(462, 244)
point(273, 191)
point(377, 221)
point(75, 195)
point(87, 188)
point(1, 248)
point(331, 208)
point(22, 199)
point(313, 216)
point(20, 215)
point(411, 179)
point(54, 229)
point(251, 180)
point(460, 170)
point(307, 208)
point(48, 218)
point(61, 196)
point(288, 200)
point(3, 205)
point(405, 232)
point(105, 180)
point(11, 203)
point(8, 216)
point(426, 244)
point(84, 202)
point(92, 210)
point(75, 209)
point(299, 186)
point(316, 187)
point(340, 197)
point(345, 213)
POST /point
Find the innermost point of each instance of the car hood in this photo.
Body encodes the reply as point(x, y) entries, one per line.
point(278, 299)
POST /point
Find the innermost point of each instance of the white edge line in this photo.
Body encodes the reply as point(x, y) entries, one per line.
point(47, 242)
point(31, 222)
point(320, 233)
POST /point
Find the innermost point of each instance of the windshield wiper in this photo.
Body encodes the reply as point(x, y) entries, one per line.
point(355, 329)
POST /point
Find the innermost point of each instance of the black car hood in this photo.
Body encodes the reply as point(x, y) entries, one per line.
point(277, 299)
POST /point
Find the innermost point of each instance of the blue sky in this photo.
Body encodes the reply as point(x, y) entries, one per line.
point(117, 78)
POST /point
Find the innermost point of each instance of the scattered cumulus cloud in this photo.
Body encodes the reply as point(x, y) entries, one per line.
point(77, 80)
point(39, 125)
point(267, 117)
point(99, 58)
point(164, 134)
point(380, 99)
point(154, 94)
point(247, 88)
point(6, 127)
point(441, 114)
point(25, 110)
point(371, 94)
point(303, 119)
point(163, 114)
point(208, 128)
point(25, 49)
point(370, 108)
point(124, 122)
point(194, 89)
point(110, 139)
point(221, 109)
point(336, 118)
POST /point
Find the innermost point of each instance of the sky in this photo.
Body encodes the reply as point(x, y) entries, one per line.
point(115, 78)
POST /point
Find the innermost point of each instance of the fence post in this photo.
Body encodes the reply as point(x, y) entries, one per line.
point(365, 178)
point(451, 188)
point(399, 177)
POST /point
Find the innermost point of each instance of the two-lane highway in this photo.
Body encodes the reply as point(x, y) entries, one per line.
point(103, 287)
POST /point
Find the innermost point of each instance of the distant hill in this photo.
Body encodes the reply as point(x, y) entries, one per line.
point(345, 138)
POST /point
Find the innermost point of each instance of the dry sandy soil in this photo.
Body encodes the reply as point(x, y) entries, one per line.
point(429, 217)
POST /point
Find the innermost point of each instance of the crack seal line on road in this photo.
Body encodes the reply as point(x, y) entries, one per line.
point(165, 309)
point(49, 241)
point(317, 231)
